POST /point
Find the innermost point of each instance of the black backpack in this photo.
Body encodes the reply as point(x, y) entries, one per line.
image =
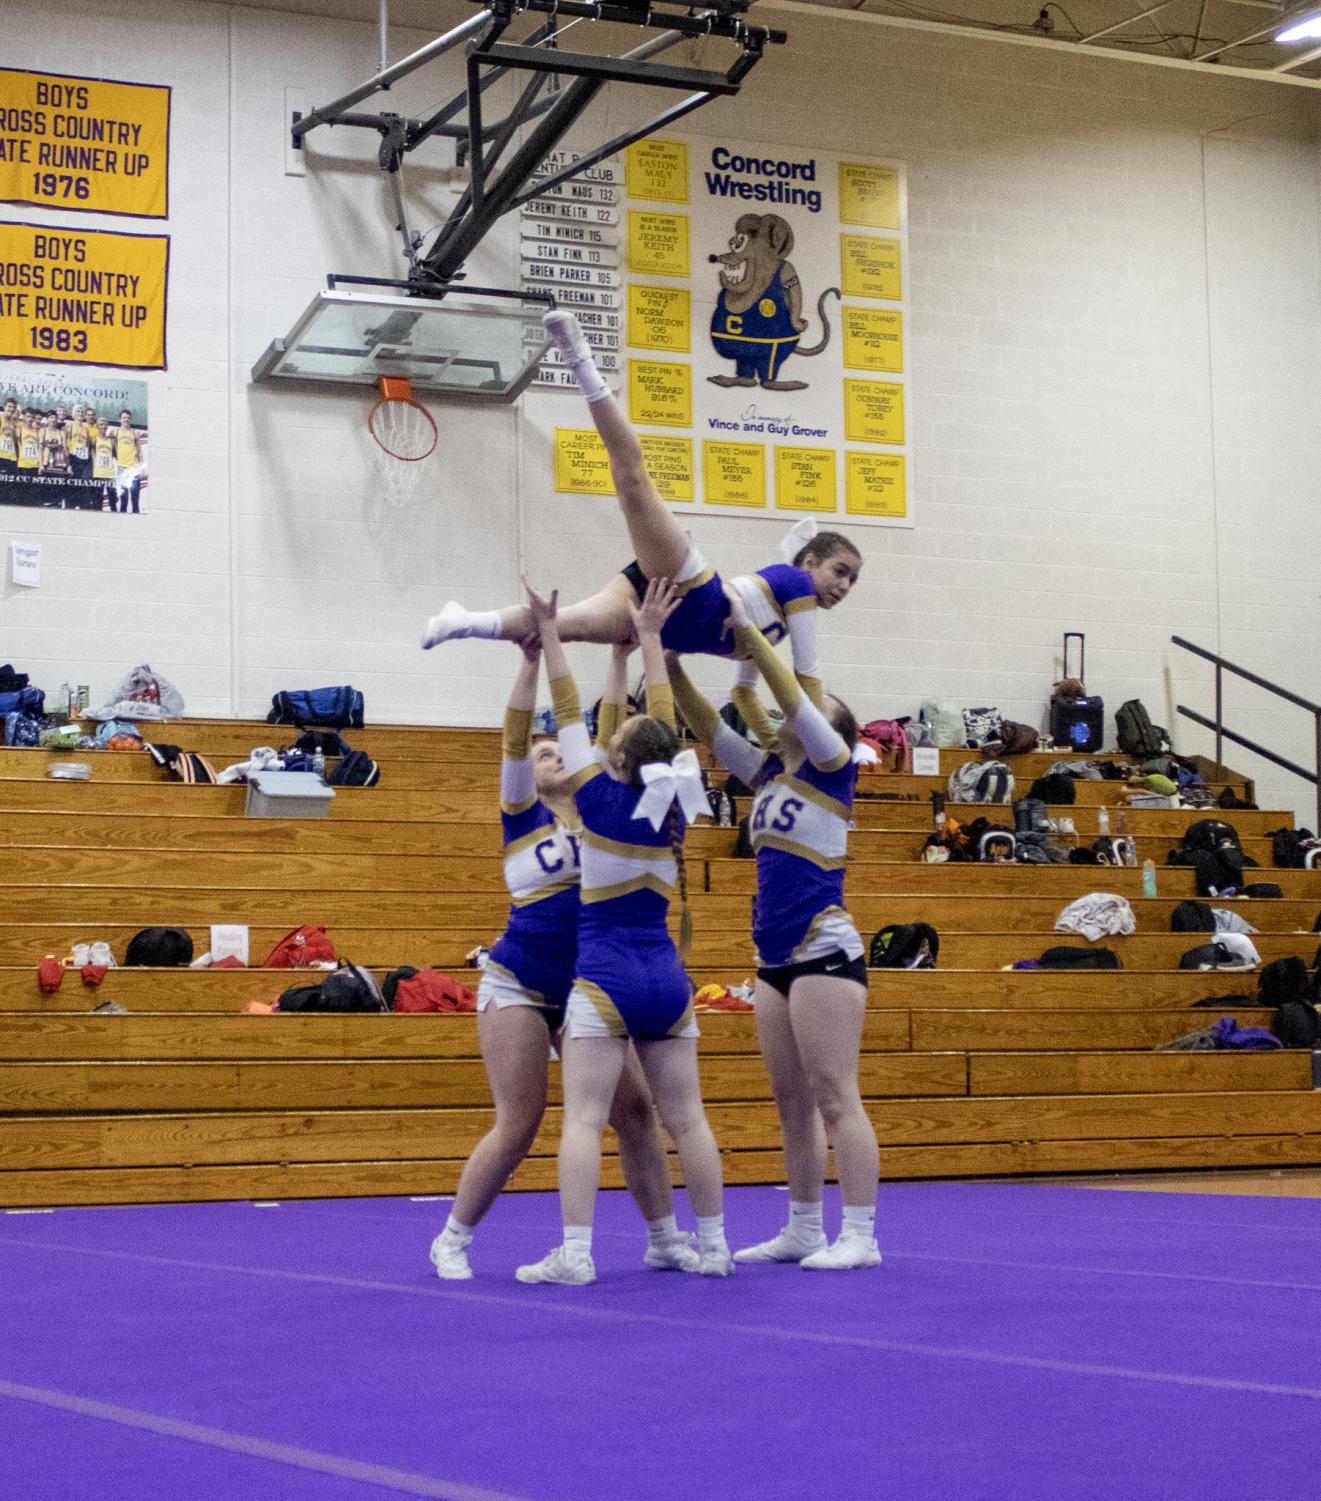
point(1054, 787)
point(160, 948)
point(1070, 956)
point(1284, 980)
point(1138, 737)
point(1290, 848)
point(1192, 917)
point(357, 769)
point(743, 849)
point(348, 988)
point(904, 945)
point(1297, 1024)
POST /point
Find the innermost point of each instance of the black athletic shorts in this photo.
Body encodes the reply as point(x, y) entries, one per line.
point(837, 965)
point(638, 579)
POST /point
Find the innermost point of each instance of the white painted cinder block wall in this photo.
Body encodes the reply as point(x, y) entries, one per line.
point(1115, 317)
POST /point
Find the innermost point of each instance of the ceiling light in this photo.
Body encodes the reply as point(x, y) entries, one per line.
point(1301, 31)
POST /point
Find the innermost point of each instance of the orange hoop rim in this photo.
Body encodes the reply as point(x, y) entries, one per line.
point(398, 391)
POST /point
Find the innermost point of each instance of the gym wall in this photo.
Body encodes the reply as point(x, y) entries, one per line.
point(1112, 348)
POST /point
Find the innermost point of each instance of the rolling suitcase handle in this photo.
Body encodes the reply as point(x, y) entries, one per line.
point(1081, 639)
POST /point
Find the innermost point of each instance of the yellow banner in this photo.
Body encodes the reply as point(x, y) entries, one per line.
point(869, 195)
point(875, 484)
point(658, 318)
point(657, 243)
point(660, 393)
point(873, 412)
point(669, 462)
point(734, 474)
point(804, 479)
point(869, 267)
point(582, 466)
point(657, 170)
point(84, 143)
point(873, 339)
point(87, 297)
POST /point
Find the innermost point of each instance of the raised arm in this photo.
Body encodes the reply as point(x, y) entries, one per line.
point(743, 695)
point(658, 604)
point(575, 747)
point(823, 745)
point(614, 701)
point(733, 752)
point(800, 618)
point(517, 788)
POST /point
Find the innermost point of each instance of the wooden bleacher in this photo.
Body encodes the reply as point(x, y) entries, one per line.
point(969, 1069)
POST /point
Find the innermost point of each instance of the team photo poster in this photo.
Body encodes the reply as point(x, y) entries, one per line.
point(70, 441)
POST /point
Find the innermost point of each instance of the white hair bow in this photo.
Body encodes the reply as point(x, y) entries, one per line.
point(664, 781)
point(797, 537)
point(864, 755)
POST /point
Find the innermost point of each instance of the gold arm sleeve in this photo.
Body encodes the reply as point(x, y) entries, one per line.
point(813, 687)
point(779, 679)
point(697, 712)
point(565, 702)
point(756, 718)
point(660, 704)
point(516, 738)
point(608, 719)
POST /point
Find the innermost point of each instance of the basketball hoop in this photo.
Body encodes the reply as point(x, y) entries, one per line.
point(405, 434)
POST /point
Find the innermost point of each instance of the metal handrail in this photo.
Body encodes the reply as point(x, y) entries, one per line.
point(1222, 732)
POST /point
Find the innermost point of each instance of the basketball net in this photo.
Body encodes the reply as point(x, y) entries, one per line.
point(405, 434)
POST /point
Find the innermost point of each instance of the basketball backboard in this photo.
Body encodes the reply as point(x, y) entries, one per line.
point(473, 342)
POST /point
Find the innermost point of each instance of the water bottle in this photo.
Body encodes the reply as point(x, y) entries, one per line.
point(1103, 822)
point(319, 762)
point(1148, 878)
point(725, 820)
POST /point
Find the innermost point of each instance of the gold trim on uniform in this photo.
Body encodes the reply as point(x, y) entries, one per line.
point(604, 1007)
point(629, 851)
point(513, 980)
point(803, 602)
point(512, 809)
point(814, 688)
point(814, 795)
point(762, 841)
point(542, 893)
point(683, 1021)
point(581, 778)
point(814, 929)
point(682, 586)
point(645, 882)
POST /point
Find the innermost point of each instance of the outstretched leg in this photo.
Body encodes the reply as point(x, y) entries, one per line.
point(603, 619)
point(658, 540)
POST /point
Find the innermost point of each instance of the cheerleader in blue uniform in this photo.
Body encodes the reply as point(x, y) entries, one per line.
point(819, 570)
point(524, 991)
point(629, 981)
point(811, 992)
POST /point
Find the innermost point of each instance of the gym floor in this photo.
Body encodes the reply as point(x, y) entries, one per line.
point(1025, 1340)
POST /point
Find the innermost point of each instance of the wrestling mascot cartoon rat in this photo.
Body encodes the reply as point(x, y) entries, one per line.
point(758, 318)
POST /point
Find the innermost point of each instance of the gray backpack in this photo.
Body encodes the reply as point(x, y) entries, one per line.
point(945, 720)
point(981, 782)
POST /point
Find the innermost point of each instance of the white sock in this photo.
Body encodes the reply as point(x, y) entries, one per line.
point(571, 342)
point(805, 1220)
point(456, 1232)
point(711, 1231)
point(577, 1241)
point(484, 623)
point(860, 1219)
point(663, 1229)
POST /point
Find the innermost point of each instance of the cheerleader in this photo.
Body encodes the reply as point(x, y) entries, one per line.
point(819, 570)
point(629, 981)
point(811, 992)
point(524, 990)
